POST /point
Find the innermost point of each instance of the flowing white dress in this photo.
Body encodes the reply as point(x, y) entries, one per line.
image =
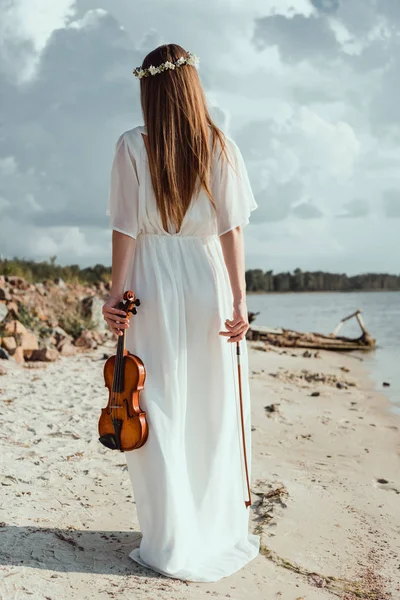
point(188, 479)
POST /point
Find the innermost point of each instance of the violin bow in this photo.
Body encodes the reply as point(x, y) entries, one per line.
point(247, 502)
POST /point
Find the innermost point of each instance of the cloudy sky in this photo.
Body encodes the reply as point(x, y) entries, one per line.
point(307, 88)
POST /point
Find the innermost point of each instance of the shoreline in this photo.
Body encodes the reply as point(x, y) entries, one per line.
point(325, 485)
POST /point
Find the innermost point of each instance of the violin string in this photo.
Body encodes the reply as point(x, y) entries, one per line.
point(118, 366)
point(116, 379)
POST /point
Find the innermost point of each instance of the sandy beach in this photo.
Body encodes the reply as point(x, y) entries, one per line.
point(325, 484)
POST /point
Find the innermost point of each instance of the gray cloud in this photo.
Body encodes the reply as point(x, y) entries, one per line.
point(326, 6)
point(356, 209)
point(391, 203)
point(80, 97)
point(311, 102)
point(297, 38)
point(276, 200)
point(307, 210)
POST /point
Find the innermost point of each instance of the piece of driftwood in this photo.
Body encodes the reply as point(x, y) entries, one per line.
point(287, 338)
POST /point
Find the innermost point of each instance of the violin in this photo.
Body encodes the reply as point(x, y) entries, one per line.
point(122, 424)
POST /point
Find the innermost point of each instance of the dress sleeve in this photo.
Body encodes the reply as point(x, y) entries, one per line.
point(123, 201)
point(234, 197)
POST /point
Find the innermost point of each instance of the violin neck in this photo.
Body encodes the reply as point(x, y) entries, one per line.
point(118, 380)
point(121, 345)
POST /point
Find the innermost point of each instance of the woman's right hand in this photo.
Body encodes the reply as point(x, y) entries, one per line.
point(236, 328)
point(115, 318)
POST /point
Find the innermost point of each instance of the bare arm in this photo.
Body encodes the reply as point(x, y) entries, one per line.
point(123, 248)
point(232, 244)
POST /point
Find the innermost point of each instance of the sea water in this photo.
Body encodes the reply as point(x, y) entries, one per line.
point(320, 312)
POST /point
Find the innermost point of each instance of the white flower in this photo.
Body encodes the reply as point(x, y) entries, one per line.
point(192, 60)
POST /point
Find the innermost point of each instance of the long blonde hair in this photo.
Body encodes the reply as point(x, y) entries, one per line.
point(178, 126)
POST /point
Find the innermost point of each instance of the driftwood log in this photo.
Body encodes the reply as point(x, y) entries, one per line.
point(287, 338)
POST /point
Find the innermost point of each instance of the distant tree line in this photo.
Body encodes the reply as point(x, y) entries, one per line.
point(35, 272)
point(258, 280)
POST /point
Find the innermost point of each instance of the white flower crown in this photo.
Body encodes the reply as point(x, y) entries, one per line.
point(190, 59)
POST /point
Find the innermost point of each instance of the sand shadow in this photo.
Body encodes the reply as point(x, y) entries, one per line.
point(102, 552)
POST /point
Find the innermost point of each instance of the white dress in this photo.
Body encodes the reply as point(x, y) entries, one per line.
point(188, 479)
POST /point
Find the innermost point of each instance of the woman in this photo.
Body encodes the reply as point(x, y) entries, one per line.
point(179, 198)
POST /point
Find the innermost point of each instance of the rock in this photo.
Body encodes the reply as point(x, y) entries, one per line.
point(85, 340)
point(60, 335)
point(14, 326)
point(13, 308)
point(307, 354)
point(3, 311)
point(271, 408)
point(340, 385)
point(41, 289)
point(45, 355)
point(41, 316)
point(9, 344)
point(18, 282)
point(315, 394)
point(5, 294)
point(60, 282)
point(92, 306)
point(4, 354)
point(66, 348)
point(18, 355)
point(28, 343)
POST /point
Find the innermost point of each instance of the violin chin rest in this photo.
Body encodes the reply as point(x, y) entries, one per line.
point(109, 441)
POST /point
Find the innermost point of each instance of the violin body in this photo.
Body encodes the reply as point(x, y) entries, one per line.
point(122, 424)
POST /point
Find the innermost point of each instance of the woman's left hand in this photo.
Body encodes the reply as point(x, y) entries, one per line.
point(115, 318)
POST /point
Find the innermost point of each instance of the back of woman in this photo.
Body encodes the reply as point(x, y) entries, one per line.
point(179, 198)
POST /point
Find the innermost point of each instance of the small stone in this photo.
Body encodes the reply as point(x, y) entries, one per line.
point(66, 348)
point(5, 294)
point(271, 408)
point(18, 355)
point(4, 354)
point(60, 334)
point(18, 282)
point(3, 311)
point(315, 394)
point(13, 327)
point(85, 340)
point(13, 308)
point(45, 355)
point(9, 344)
point(28, 343)
point(60, 282)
